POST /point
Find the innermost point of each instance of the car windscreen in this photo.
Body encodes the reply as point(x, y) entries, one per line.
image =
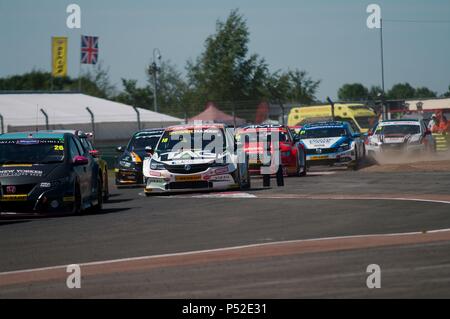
point(323, 132)
point(141, 140)
point(366, 122)
point(398, 129)
point(31, 151)
point(255, 136)
point(201, 139)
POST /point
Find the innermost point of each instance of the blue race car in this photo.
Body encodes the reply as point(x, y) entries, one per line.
point(332, 143)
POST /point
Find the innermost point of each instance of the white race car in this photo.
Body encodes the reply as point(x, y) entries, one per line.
point(396, 137)
point(195, 158)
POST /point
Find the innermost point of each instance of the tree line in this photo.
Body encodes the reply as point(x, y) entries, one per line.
point(399, 91)
point(225, 73)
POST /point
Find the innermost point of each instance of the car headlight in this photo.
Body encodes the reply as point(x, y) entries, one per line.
point(154, 165)
point(125, 164)
point(344, 147)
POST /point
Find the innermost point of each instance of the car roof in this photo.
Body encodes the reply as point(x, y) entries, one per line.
point(36, 135)
point(78, 133)
point(400, 121)
point(195, 126)
point(150, 130)
point(256, 127)
point(338, 124)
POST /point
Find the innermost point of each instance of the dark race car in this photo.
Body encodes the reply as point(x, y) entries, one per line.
point(129, 163)
point(86, 141)
point(44, 173)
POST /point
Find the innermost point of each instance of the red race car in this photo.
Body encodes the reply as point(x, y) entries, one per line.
point(293, 155)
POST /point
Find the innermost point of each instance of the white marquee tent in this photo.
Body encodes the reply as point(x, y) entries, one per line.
point(112, 120)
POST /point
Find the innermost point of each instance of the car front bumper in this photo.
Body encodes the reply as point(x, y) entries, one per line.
point(38, 202)
point(163, 181)
point(129, 177)
point(339, 158)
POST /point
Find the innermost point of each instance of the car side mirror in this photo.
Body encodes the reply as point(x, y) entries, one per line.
point(80, 160)
point(120, 149)
point(94, 153)
point(149, 150)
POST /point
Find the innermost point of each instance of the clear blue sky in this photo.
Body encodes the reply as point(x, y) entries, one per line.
point(327, 38)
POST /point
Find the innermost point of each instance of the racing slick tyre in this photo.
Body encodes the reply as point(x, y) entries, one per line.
point(76, 208)
point(302, 171)
point(247, 184)
point(105, 187)
point(266, 180)
point(280, 176)
point(355, 165)
point(98, 207)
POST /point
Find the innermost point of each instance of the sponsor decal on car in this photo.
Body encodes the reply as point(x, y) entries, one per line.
point(20, 172)
point(14, 198)
point(188, 178)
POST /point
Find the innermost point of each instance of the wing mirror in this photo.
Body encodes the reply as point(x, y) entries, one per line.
point(149, 150)
point(80, 160)
point(94, 153)
point(120, 149)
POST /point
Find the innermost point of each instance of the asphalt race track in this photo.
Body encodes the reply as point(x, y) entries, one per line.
point(314, 237)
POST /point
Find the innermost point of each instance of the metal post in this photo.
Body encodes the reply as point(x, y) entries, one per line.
point(46, 119)
point(2, 124)
point(332, 108)
point(156, 55)
point(92, 121)
point(383, 106)
point(234, 115)
point(138, 117)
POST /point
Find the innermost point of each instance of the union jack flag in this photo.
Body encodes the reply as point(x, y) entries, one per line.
point(89, 49)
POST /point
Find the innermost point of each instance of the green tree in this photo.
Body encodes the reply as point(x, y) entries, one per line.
point(447, 94)
point(424, 92)
point(292, 86)
point(401, 91)
point(375, 92)
point(172, 89)
point(96, 83)
point(225, 71)
point(353, 92)
point(134, 95)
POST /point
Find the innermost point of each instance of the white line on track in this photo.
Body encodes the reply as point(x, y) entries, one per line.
point(196, 252)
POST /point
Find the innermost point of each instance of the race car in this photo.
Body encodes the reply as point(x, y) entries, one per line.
point(47, 173)
point(291, 152)
point(332, 143)
point(195, 158)
point(403, 136)
point(85, 139)
point(129, 164)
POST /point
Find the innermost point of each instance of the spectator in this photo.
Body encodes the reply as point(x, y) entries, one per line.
point(433, 123)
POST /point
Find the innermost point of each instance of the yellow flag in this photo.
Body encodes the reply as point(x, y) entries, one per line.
point(59, 56)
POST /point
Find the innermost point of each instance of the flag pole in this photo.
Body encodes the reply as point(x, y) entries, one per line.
point(79, 68)
point(51, 64)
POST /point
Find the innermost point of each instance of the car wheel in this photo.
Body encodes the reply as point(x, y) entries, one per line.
point(248, 182)
point(355, 165)
point(303, 172)
point(76, 208)
point(105, 187)
point(98, 207)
